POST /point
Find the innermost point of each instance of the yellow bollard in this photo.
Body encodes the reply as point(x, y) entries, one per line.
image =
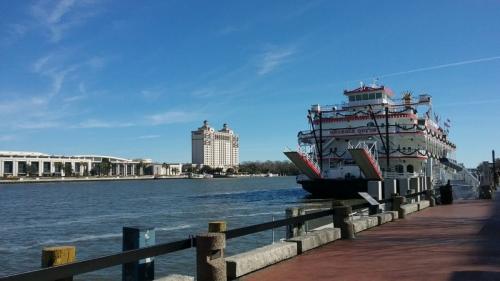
point(53, 256)
point(217, 226)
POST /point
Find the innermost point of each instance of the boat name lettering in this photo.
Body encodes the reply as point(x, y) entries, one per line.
point(353, 131)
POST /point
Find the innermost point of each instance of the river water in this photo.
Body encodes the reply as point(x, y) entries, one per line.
point(90, 216)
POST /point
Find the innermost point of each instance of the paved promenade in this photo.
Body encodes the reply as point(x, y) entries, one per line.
point(451, 242)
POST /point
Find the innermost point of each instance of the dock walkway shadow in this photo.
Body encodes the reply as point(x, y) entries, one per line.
point(475, 276)
point(488, 249)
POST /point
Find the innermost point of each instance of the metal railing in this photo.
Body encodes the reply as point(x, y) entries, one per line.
point(89, 265)
point(468, 178)
point(396, 175)
point(308, 158)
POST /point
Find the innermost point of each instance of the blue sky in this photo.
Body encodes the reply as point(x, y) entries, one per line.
point(133, 78)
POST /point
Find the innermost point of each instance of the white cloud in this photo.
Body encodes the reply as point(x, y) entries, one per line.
point(12, 107)
point(150, 94)
point(95, 123)
point(302, 9)
point(40, 63)
point(6, 138)
point(171, 117)
point(203, 93)
point(38, 124)
point(36, 112)
point(230, 29)
point(270, 60)
point(74, 98)
point(82, 88)
point(61, 8)
point(96, 62)
point(53, 66)
point(18, 29)
point(58, 80)
point(439, 66)
point(148, 137)
point(470, 102)
point(33, 112)
point(60, 16)
point(11, 33)
point(44, 111)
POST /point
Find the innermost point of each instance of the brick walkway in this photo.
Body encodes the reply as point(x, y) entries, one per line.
point(454, 242)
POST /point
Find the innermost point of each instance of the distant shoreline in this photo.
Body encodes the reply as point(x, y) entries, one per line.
point(84, 179)
point(115, 178)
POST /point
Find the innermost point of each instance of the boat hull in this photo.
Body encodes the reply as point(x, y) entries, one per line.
point(335, 188)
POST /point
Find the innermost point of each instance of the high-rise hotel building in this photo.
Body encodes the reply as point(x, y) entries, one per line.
point(217, 149)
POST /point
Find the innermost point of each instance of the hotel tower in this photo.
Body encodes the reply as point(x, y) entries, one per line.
point(217, 149)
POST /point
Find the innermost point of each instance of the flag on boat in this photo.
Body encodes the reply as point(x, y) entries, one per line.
point(436, 118)
point(447, 123)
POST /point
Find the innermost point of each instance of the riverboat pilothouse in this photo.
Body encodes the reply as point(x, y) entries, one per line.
point(372, 136)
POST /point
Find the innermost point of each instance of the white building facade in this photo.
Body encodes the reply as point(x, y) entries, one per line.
point(167, 169)
point(19, 164)
point(217, 149)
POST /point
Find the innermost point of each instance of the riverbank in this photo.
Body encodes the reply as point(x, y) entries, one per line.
point(114, 178)
point(84, 179)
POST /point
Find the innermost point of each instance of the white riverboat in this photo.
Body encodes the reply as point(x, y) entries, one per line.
point(373, 136)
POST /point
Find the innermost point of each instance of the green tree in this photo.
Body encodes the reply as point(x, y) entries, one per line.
point(140, 166)
point(206, 170)
point(275, 167)
point(68, 169)
point(188, 169)
point(85, 168)
point(166, 167)
point(58, 167)
point(105, 166)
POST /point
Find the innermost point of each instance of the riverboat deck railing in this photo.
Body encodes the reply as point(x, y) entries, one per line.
point(392, 102)
point(89, 265)
point(396, 175)
point(467, 177)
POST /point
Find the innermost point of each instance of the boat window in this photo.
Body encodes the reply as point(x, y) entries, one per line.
point(399, 168)
point(365, 96)
point(358, 97)
point(352, 98)
point(372, 96)
point(409, 168)
point(378, 95)
point(370, 124)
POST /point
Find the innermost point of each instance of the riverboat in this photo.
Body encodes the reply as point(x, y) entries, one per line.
point(369, 137)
